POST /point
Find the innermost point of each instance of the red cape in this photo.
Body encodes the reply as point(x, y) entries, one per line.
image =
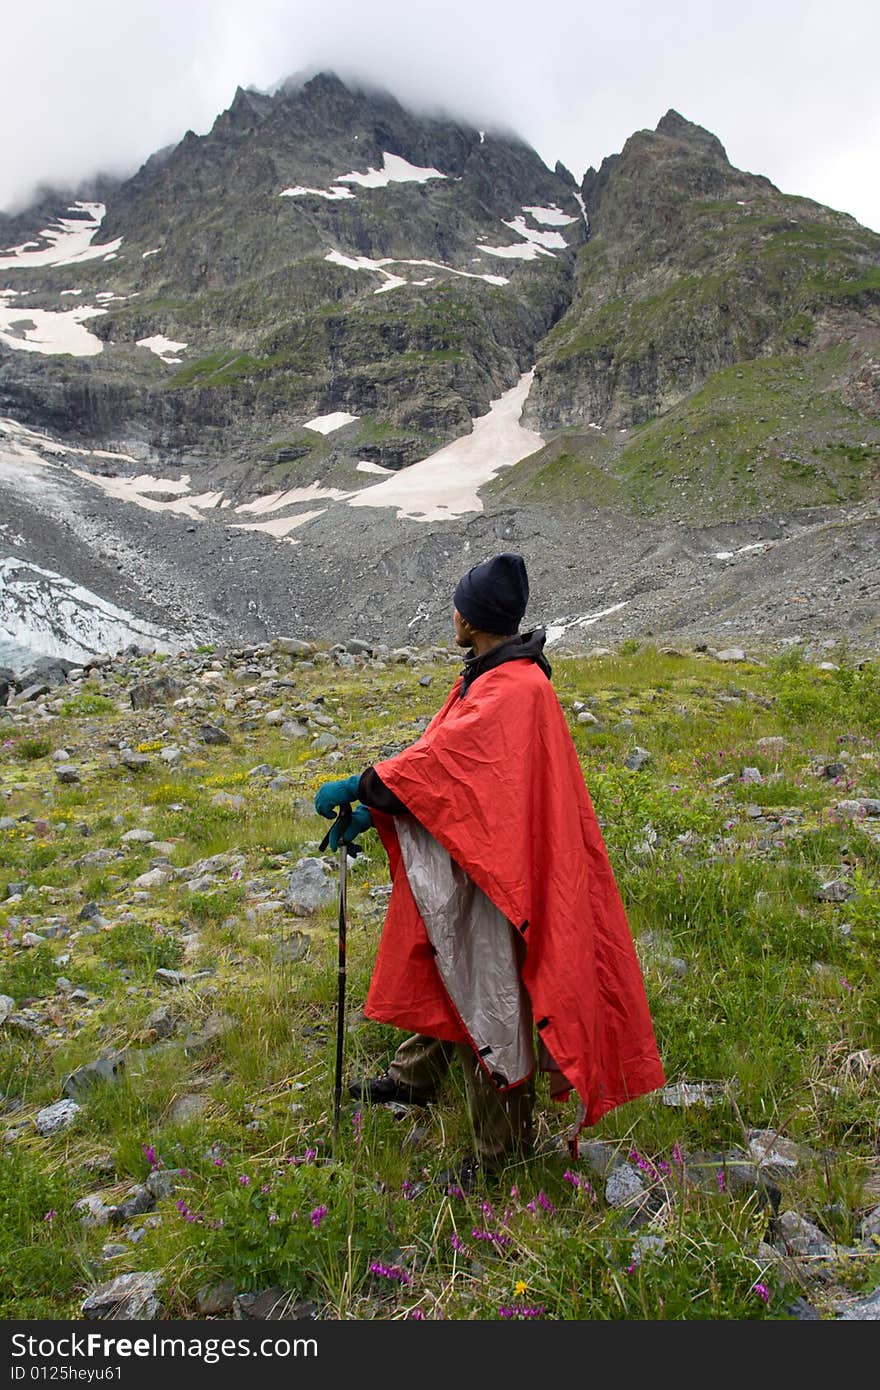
point(495, 778)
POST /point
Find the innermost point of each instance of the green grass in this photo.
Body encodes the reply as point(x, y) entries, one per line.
point(767, 434)
point(752, 983)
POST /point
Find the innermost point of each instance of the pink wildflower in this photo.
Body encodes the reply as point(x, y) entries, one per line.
point(318, 1215)
point(762, 1292)
point(389, 1272)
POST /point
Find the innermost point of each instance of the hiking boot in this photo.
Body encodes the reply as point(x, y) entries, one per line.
point(379, 1090)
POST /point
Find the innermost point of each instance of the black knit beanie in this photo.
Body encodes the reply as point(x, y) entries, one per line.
point(493, 596)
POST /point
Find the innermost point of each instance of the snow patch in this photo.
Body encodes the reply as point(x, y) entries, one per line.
point(138, 490)
point(545, 239)
point(559, 629)
point(446, 485)
point(70, 241)
point(154, 251)
point(331, 194)
point(550, 217)
point(519, 251)
point(756, 545)
point(279, 526)
point(162, 347)
point(367, 466)
point(326, 424)
point(274, 501)
point(41, 330)
point(394, 169)
point(365, 263)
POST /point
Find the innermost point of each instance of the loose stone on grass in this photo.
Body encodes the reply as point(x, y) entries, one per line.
point(128, 1297)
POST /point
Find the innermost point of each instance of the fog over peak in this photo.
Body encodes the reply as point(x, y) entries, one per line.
point(101, 86)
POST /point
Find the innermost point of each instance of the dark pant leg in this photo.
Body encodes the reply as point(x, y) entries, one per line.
point(502, 1120)
point(421, 1063)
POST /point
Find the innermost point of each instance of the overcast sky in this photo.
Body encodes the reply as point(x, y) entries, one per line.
point(790, 87)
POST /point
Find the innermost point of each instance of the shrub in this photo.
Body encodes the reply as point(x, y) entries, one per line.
point(86, 703)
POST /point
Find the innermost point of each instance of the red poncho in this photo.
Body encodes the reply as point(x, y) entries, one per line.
point(495, 779)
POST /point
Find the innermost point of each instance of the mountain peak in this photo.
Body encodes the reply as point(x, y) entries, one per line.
point(679, 128)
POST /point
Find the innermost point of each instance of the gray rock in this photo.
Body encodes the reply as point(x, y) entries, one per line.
point(599, 1157)
point(772, 743)
point(138, 837)
point(865, 1309)
point(798, 1236)
point(67, 775)
point(731, 654)
point(7, 1004)
point(803, 1311)
point(153, 878)
point(324, 743)
point(309, 888)
point(293, 646)
point(202, 884)
point(833, 770)
point(586, 717)
point(163, 1181)
point(637, 759)
point(160, 1021)
point(109, 1068)
point(869, 1229)
point(57, 1117)
point(293, 728)
point(172, 978)
point(137, 1200)
point(30, 693)
point(32, 938)
point(135, 762)
point(294, 947)
point(358, 648)
point(751, 775)
point(217, 1299)
point(129, 1297)
point(188, 1107)
point(270, 1305)
point(154, 692)
point(775, 1154)
point(228, 799)
point(687, 1093)
point(93, 1211)
point(212, 733)
point(624, 1186)
point(647, 1245)
point(211, 1030)
point(171, 756)
point(835, 891)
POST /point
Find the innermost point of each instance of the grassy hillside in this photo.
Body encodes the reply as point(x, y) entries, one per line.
point(762, 981)
point(770, 434)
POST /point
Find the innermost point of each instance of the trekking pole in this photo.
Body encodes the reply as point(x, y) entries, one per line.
point(342, 821)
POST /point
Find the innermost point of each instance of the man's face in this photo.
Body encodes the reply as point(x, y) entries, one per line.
point(463, 631)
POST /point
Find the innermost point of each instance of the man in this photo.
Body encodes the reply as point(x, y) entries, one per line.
point(504, 914)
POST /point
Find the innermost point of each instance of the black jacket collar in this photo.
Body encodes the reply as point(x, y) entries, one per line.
point(522, 646)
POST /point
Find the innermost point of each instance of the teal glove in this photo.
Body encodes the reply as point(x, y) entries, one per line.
point(332, 795)
point(361, 820)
